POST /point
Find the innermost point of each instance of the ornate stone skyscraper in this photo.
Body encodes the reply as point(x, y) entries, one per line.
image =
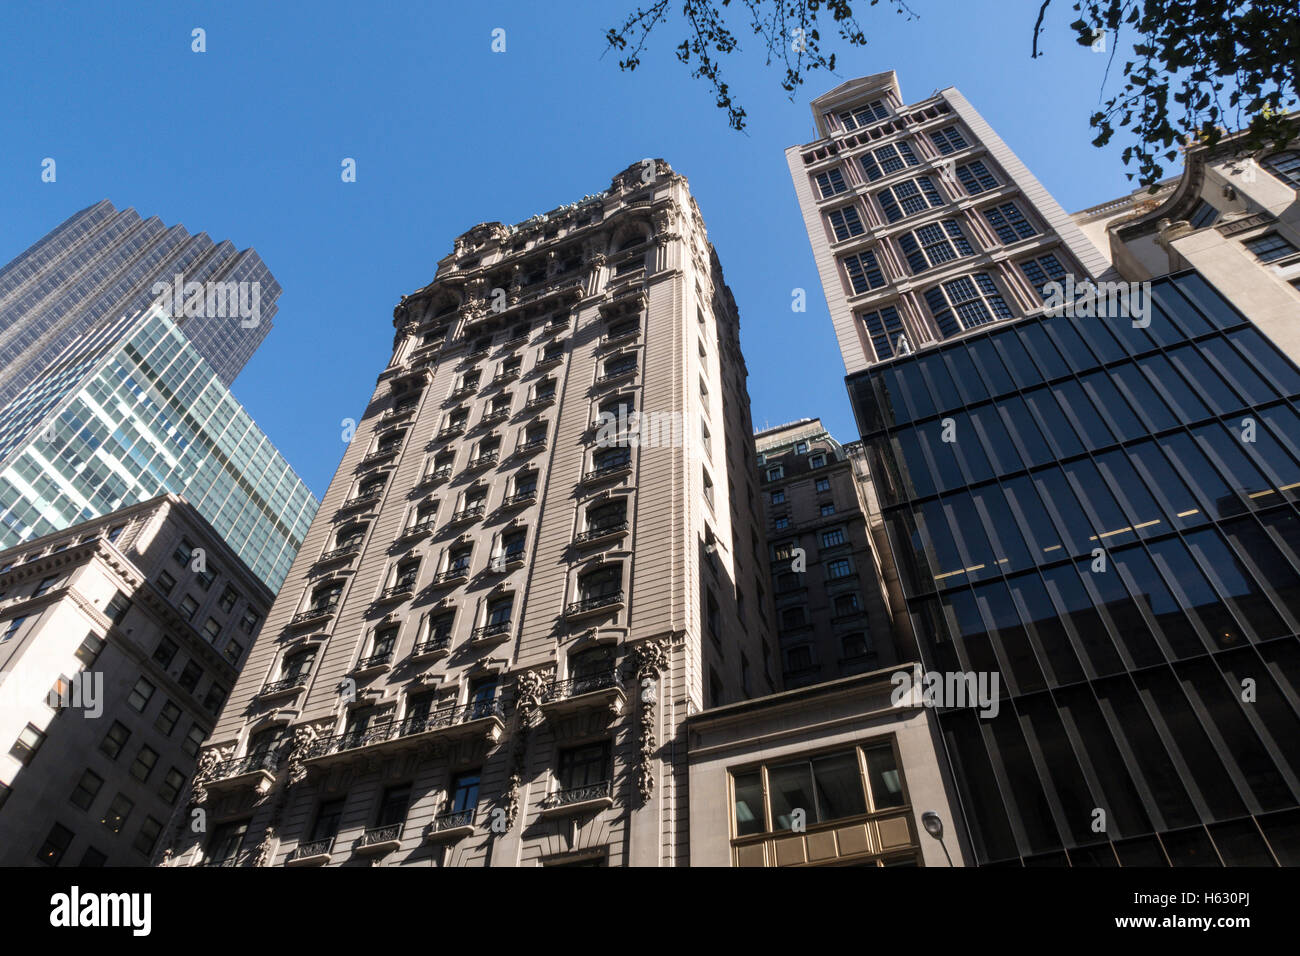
point(541, 552)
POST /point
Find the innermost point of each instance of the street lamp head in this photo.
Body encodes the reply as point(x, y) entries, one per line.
point(933, 824)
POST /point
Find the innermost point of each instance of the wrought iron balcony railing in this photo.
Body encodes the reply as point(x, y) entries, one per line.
point(614, 375)
point(490, 630)
point(467, 514)
point(456, 572)
point(520, 498)
point(451, 716)
point(609, 466)
point(593, 603)
point(484, 461)
point(314, 848)
point(399, 591)
point(550, 361)
point(572, 795)
point(451, 431)
point(382, 454)
point(356, 500)
point(453, 819)
point(339, 553)
point(393, 414)
point(441, 473)
point(496, 417)
point(506, 375)
point(541, 401)
point(434, 644)
point(420, 527)
point(377, 835)
point(251, 763)
point(286, 683)
point(524, 448)
point(313, 613)
point(603, 530)
point(584, 684)
point(375, 660)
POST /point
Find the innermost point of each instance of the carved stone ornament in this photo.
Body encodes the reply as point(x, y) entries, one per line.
point(649, 661)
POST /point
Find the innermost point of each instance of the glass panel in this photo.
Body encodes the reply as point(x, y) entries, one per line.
point(791, 789)
point(1185, 403)
point(749, 803)
point(1194, 593)
point(1080, 613)
point(980, 793)
point(1022, 671)
point(996, 442)
point(839, 786)
point(1208, 383)
point(1024, 431)
point(1061, 331)
point(886, 784)
point(1046, 629)
point(1112, 406)
point(1150, 407)
point(1236, 584)
point(1043, 351)
point(964, 375)
point(1053, 424)
point(990, 366)
point(1264, 356)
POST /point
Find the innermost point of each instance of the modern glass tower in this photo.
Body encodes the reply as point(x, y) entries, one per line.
point(1099, 511)
point(130, 411)
point(104, 263)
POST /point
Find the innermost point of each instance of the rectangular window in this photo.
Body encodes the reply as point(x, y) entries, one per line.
point(583, 766)
point(886, 331)
point(140, 695)
point(117, 608)
point(831, 183)
point(934, 244)
point(83, 795)
point(839, 569)
point(114, 740)
point(165, 652)
point(1043, 271)
point(212, 630)
point(823, 484)
point(887, 159)
point(864, 272)
point(190, 676)
point(832, 538)
point(948, 140)
point(1009, 223)
point(148, 836)
point(188, 607)
point(1270, 247)
point(29, 741)
point(172, 785)
point(144, 763)
point(55, 845)
point(118, 811)
point(976, 178)
point(167, 717)
point(184, 551)
point(194, 740)
point(89, 649)
point(12, 628)
point(845, 222)
point(229, 597)
point(778, 496)
point(908, 198)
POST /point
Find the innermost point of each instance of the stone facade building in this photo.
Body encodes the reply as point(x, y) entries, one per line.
point(541, 553)
point(119, 641)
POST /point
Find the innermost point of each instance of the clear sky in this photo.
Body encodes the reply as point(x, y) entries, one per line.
point(245, 142)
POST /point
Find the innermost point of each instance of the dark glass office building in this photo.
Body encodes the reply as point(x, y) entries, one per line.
point(1106, 517)
point(101, 266)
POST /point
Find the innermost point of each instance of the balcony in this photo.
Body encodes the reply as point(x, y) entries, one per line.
point(375, 663)
point(451, 825)
point(529, 447)
point(506, 375)
point(490, 633)
point(435, 647)
point(319, 613)
point(257, 770)
point(342, 553)
point(400, 591)
point(541, 401)
point(613, 338)
point(465, 391)
point(610, 378)
point(450, 432)
point(375, 457)
point(439, 474)
point(359, 500)
point(602, 532)
point(609, 468)
point(379, 840)
point(285, 686)
point(466, 515)
point(453, 575)
point(594, 690)
point(417, 530)
point(315, 853)
point(594, 605)
point(520, 499)
point(483, 461)
point(396, 414)
point(494, 417)
point(550, 362)
point(574, 800)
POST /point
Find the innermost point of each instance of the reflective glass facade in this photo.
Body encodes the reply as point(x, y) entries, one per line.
point(1106, 516)
point(120, 418)
point(101, 265)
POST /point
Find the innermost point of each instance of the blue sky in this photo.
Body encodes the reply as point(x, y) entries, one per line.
point(245, 142)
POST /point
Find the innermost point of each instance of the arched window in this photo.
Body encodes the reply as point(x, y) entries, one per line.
point(1286, 167)
point(326, 597)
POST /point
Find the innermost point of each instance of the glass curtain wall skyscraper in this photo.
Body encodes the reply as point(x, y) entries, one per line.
point(1099, 511)
point(104, 263)
point(125, 414)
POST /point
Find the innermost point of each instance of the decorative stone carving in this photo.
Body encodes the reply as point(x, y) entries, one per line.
point(649, 661)
point(529, 688)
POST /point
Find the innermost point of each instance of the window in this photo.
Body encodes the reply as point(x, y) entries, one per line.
point(817, 461)
point(708, 487)
point(44, 585)
point(140, 694)
point(966, 302)
point(190, 676)
point(144, 763)
point(165, 652)
point(863, 271)
point(585, 766)
point(776, 473)
point(864, 115)
point(87, 789)
point(778, 496)
point(499, 611)
point(173, 783)
point(188, 607)
point(908, 198)
point(831, 183)
point(212, 630)
point(206, 577)
point(887, 159)
point(603, 584)
point(233, 651)
point(1009, 223)
point(55, 845)
point(248, 623)
point(462, 794)
point(781, 523)
point(948, 140)
point(823, 484)
point(194, 740)
point(167, 717)
point(226, 841)
point(854, 646)
point(1203, 215)
point(393, 805)
point(846, 604)
point(117, 813)
point(89, 649)
point(885, 328)
point(12, 628)
point(93, 857)
point(166, 583)
point(184, 551)
point(215, 697)
point(326, 597)
point(832, 538)
point(1286, 167)
point(934, 244)
point(1270, 247)
point(793, 617)
point(976, 178)
point(147, 837)
point(799, 659)
point(1043, 271)
point(117, 608)
point(839, 569)
point(229, 597)
point(114, 740)
point(116, 532)
point(29, 741)
point(845, 222)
